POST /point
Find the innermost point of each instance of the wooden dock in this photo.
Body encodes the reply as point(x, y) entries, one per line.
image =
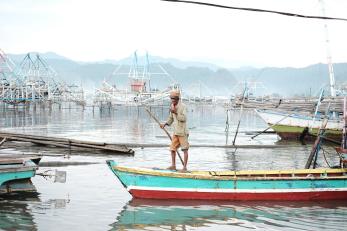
point(66, 143)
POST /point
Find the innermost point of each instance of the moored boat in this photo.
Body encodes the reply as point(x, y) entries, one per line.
point(16, 173)
point(299, 184)
point(292, 125)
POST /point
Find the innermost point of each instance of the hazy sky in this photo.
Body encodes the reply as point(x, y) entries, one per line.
point(112, 29)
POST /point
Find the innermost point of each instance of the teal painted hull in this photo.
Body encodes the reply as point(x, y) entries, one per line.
point(252, 184)
point(8, 176)
point(14, 174)
point(162, 184)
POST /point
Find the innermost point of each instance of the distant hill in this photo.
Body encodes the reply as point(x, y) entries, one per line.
point(172, 61)
point(198, 78)
point(294, 81)
point(17, 58)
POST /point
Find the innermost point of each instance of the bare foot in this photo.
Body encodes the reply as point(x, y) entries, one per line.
point(183, 170)
point(172, 168)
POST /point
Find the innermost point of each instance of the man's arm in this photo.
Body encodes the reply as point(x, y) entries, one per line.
point(168, 122)
point(170, 119)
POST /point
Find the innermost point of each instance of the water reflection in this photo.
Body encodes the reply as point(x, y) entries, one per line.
point(185, 215)
point(230, 155)
point(18, 211)
point(92, 188)
point(127, 124)
point(15, 211)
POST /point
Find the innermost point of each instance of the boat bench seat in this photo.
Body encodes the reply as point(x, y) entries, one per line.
point(10, 161)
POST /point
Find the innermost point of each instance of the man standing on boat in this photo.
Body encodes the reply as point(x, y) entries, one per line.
point(178, 117)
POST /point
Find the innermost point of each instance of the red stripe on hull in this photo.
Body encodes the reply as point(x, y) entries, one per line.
point(297, 196)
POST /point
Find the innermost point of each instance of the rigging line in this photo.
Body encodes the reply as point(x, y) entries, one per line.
point(259, 10)
point(325, 158)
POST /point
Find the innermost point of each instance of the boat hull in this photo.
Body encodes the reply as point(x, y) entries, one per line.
point(292, 126)
point(295, 185)
point(263, 196)
point(15, 174)
point(295, 132)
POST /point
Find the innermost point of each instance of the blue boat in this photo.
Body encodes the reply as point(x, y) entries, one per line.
point(279, 185)
point(16, 172)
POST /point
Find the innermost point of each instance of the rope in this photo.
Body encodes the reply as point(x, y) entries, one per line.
point(326, 161)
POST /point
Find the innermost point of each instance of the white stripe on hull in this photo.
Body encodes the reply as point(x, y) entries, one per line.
point(235, 190)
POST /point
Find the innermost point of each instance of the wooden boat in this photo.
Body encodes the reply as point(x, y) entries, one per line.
point(15, 172)
point(291, 126)
point(301, 184)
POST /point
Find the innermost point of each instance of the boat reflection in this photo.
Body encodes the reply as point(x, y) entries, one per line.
point(19, 210)
point(142, 214)
point(15, 211)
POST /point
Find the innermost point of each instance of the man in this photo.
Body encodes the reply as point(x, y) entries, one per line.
point(178, 117)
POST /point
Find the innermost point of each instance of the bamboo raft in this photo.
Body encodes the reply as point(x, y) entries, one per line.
point(65, 143)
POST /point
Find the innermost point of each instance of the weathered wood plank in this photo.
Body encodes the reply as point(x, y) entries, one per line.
point(3, 141)
point(67, 143)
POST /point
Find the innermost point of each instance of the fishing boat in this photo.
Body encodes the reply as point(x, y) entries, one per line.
point(299, 184)
point(292, 125)
point(139, 90)
point(276, 185)
point(16, 172)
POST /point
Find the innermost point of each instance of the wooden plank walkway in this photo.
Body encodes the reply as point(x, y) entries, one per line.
point(66, 143)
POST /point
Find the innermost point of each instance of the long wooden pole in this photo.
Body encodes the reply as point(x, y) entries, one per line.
point(271, 126)
point(315, 148)
point(227, 128)
point(241, 110)
point(167, 133)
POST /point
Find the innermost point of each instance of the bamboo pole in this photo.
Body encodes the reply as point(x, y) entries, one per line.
point(315, 148)
point(167, 133)
point(241, 110)
point(271, 126)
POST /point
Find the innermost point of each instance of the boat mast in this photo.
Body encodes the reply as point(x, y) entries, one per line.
point(329, 59)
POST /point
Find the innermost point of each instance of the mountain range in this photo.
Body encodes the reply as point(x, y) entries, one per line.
point(197, 78)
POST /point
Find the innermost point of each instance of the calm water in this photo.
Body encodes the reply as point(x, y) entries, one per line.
point(93, 199)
